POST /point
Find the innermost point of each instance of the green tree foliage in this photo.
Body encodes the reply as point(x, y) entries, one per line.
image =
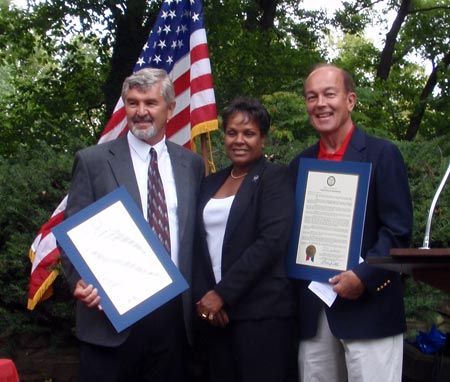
point(423, 34)
point(31, 185)
point(408, 97)
point(51, 93)
point(427, 162)
point(62, 63)
point(248, 59)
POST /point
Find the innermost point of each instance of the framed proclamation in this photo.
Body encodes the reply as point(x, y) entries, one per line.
point(113, 248)
point(330, 208)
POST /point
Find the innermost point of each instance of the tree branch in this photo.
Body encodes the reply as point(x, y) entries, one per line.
point(419, 111)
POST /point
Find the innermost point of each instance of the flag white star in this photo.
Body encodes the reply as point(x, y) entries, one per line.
point(162, 44)
point(140, 61)
point(195, 17)
point(157, 59)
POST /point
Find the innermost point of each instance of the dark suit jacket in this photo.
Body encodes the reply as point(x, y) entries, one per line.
point(97, 171)
point(254, 283)
point(379, 312)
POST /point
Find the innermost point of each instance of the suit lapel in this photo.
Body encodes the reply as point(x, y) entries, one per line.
point(216, 180)
point(182, 183)
point(244, 196)
point(356, 147)
point(122, 168)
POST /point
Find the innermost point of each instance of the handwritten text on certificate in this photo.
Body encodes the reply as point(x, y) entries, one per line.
point(120, 257)
point(327, 219)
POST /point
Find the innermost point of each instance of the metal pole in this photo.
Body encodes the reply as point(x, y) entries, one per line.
point(426, 239)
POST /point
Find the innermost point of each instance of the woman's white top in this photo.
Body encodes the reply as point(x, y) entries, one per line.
point(215, 217)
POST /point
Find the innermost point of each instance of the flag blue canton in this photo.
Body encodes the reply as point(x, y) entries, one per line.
point(169, 39)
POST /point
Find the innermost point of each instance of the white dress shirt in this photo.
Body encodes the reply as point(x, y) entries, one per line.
point(140, 155)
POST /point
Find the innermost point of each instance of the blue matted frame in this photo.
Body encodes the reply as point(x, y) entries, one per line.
point(306, 165)
point(121, 321)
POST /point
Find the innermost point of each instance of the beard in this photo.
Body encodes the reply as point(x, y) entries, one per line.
point(144, 134)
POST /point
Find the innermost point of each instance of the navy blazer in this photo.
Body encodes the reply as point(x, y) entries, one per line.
point(379, 312)
point(254, 284)
point(97, 171)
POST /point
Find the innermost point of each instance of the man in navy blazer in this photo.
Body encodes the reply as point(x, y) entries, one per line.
point(151, 349)
point(359, 338)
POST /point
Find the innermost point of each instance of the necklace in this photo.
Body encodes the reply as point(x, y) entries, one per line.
point(237, 176)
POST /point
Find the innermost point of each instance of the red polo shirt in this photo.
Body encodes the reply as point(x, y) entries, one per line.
point(338, 154)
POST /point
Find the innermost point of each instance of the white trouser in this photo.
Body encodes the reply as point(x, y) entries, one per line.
point(324, 358)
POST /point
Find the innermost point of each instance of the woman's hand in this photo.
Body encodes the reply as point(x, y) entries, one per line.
point(220, 319)
point(209, 306)
point(87, 294)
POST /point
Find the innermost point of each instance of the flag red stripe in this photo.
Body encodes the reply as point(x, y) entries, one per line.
point(42, 272)
point(115, 119)
point(201, 83)
point(181, 119)
point(204, 113)
point(54, 220)
point(199, 52)
point(182, 83)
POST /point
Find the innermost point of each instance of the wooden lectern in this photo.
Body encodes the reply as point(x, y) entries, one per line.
point(431, 266)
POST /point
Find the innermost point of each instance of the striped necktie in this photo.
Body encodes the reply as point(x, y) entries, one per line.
point(157, 208)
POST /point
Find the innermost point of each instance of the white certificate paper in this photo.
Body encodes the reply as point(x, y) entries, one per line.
point(327, 220)
point(120, 257)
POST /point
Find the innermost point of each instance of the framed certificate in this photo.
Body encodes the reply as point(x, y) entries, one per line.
point(113, 248)
point(331, 199)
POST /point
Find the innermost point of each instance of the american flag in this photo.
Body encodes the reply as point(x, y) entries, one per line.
point(177, 43)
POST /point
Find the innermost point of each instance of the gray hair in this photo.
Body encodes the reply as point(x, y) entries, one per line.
point(146, 78)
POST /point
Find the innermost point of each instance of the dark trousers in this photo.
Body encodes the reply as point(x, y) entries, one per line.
point(249, 351)
point(153, 352)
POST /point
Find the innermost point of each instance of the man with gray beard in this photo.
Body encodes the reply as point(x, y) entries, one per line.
point(153, 349)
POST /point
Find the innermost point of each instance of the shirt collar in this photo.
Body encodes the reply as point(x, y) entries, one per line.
point(142, 149)
point(338, 155)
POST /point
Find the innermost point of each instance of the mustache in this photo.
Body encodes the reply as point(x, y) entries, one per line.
point(147, 118)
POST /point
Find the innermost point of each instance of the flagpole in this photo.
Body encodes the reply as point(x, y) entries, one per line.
point(207, 155)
